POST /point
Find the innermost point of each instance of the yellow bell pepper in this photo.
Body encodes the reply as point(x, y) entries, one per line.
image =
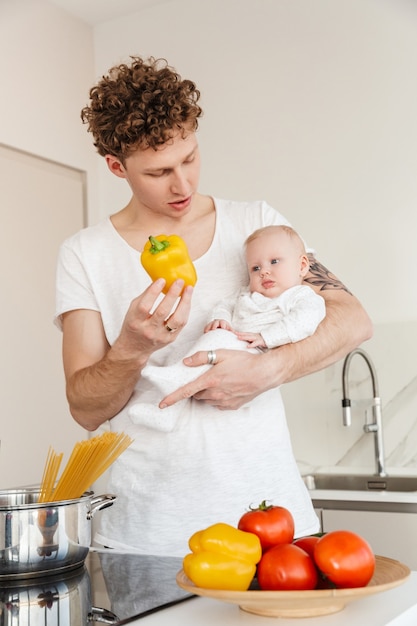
point(167, 257)
point(222, 557)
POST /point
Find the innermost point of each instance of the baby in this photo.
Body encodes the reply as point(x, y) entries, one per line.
point(275, 308)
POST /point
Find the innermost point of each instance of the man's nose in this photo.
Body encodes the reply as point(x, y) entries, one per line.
point(180, 184)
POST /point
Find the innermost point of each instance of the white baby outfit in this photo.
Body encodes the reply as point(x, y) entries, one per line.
point(292, 316)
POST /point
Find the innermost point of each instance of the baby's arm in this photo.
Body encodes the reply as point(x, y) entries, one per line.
point(222, 315)
point(255, 340)
point(298, 320)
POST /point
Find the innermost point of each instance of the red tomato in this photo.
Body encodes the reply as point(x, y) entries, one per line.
point(286, 567)
point(345, 558)
point(307, 544)
point(273, 524)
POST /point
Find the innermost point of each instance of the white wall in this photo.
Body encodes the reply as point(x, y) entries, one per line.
point(47, 68)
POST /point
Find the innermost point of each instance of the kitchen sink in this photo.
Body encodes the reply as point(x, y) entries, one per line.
point(360, 482)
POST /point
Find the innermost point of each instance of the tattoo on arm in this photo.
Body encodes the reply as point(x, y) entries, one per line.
point(319, 276)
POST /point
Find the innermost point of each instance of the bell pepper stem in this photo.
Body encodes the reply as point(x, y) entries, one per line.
point(158, 246)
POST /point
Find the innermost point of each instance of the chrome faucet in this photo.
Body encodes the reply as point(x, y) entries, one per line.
point(375, 426)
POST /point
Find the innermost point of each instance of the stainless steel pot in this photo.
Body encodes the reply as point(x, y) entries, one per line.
point(37, 539)
point(51, 600)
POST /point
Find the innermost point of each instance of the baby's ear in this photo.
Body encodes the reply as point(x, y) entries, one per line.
point(304, 265)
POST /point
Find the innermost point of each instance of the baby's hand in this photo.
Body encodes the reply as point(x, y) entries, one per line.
point(217, 324)
point(254, 340)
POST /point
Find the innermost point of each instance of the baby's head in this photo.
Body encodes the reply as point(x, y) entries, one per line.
point(276, 260)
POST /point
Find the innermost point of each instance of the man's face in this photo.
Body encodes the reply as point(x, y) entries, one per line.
point(165, 180)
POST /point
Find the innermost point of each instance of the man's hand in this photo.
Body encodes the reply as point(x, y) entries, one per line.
point(235, 379)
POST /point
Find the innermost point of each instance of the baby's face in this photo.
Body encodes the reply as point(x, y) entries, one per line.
point(275, 263)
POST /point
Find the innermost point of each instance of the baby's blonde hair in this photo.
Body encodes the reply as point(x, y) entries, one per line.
point(283, 228)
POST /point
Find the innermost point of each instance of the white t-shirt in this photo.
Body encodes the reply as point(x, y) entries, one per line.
point(214, 464)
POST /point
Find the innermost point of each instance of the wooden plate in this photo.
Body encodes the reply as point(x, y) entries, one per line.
point(388, 574)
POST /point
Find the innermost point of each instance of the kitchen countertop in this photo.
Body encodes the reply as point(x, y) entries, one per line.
point(396, 607)
point(111, 588)
point(404, 497)
point(121, 588)
point(387, 497)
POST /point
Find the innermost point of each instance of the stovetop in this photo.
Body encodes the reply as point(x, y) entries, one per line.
point(111, 588)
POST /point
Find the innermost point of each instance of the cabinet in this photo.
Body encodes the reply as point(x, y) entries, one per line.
point(391, 534)
point(42, 203)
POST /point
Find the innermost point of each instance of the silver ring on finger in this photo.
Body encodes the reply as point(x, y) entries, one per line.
point(211, 357)
point(169, 329)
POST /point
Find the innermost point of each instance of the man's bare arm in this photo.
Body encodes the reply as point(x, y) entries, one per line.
point(238, 376)
point(101, 379)
point(321, 279)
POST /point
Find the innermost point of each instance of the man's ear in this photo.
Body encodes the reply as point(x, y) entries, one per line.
point(115, 166)
point(304, 265)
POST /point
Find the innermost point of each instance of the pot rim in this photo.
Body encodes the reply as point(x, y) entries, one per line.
point(34, 491)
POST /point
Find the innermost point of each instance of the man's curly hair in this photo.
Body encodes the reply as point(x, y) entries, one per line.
point(140, 105)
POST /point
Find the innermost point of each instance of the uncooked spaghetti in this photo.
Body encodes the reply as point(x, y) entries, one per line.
point(88, 461)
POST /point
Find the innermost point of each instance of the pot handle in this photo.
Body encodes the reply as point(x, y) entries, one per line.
point(103, 616)
point(100, 502)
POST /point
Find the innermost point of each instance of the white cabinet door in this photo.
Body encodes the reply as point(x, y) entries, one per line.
point(390, 534)
point(41, 203)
